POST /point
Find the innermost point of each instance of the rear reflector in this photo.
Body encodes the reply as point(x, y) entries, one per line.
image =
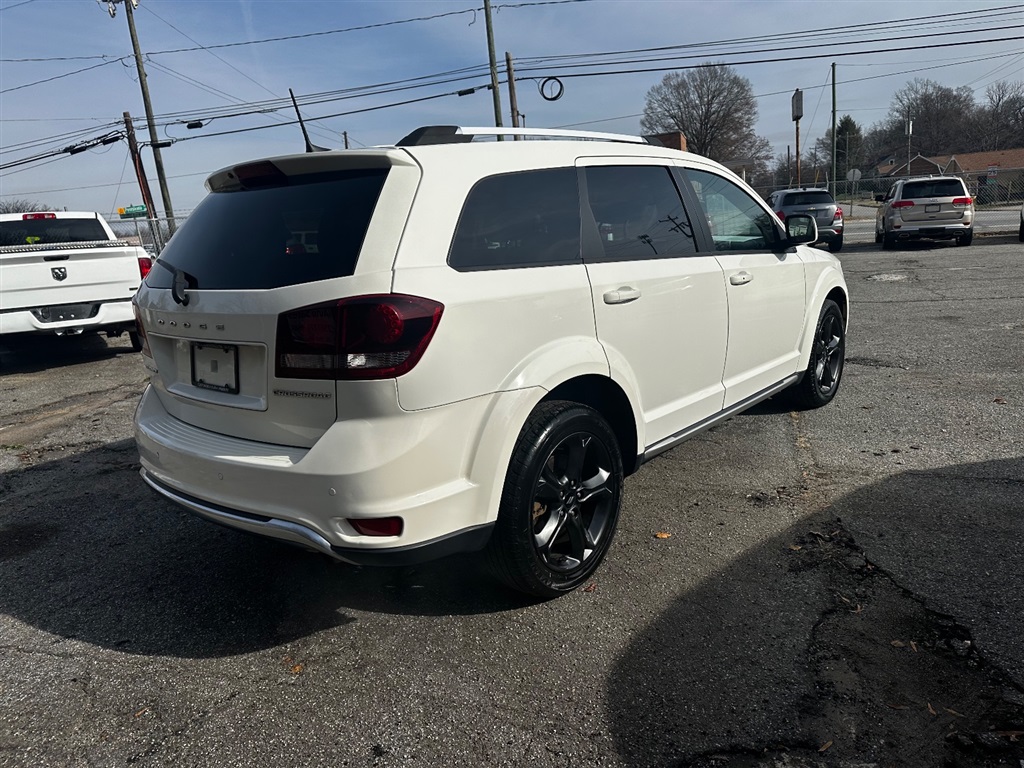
point(30, 216)
point(377, 526)
point(365, 337)
point(903, 204)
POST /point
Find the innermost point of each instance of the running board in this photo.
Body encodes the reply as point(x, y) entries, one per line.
point(680, 437)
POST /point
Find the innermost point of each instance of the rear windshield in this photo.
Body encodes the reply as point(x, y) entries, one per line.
point(809, 198)
point(50, 231)
point(311, 228)
point(936, 188)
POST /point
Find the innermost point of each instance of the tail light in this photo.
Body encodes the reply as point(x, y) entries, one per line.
point(140, 330)
point(781, 215)
point(31, 216)
point(145, 265)
point(364, 337)
point(961, 202)
point(838, 218)
point(903, 204)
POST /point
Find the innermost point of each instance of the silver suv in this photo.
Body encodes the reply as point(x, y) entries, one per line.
point(934, 207)
point(818, 203)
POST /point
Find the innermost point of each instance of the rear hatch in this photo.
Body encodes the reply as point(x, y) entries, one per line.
point(816, 203)
point(63, 267)
point(937, 200)
point(272, 238)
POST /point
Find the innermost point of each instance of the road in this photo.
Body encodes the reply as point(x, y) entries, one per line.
point(841, 587)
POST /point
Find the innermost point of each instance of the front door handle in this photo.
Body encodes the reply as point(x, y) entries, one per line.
point(622, 295)
point(741, 278)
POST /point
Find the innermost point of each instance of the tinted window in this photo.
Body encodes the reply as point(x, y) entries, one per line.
point(638, 212)
point(48, 231)
point(519, 219)
point(936, 188)
point(737, 221)
point(809, 198)
point(309, 229)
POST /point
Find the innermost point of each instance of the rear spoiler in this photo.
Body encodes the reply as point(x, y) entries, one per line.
point(67, 246)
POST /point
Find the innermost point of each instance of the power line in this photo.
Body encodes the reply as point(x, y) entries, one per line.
point(66, 74)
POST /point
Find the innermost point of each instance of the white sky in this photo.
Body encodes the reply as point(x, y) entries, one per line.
point(101, 179)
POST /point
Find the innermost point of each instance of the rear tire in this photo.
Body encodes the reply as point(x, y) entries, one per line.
point(136, 341)
point(888, 241)
point(966, 238)
point(560, 503)
point(1020, 232)
point(825, 368)
point(878, 237)
point(836, 245)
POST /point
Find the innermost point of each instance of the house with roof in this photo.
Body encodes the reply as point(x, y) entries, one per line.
point(992, 177)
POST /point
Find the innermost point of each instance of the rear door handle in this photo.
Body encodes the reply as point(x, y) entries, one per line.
point(741, 278)
point(622, 295)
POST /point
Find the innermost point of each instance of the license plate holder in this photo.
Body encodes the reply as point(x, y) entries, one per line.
point(932, 208)
point(215, 366)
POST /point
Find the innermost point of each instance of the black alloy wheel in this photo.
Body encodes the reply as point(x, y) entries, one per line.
point(561, 500)
point(825, 367)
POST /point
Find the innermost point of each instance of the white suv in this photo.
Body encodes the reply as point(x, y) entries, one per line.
point(488, 337)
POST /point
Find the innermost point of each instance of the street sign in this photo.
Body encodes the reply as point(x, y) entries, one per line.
point(853, 175)
point(132, 212)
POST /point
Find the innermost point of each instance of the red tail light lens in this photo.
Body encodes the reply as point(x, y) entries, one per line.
point(364, 337)
point(141, 331)
point(903, 204)
point(31, 216)
point(781, 215)
point(839, 215)
point(961, 202)
point(145, 265)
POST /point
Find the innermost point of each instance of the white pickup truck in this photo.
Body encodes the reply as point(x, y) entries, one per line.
point(65, 272)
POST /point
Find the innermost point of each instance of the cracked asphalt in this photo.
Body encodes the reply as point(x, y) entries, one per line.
point(841, 587)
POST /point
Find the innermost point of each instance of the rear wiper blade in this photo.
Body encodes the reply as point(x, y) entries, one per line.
point(181, 282)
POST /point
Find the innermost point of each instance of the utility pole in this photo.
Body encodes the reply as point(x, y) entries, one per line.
point(835, 188)
point(495, 93)
point(910, 131)
point(154, 140)
point(140, 174)
point(513, 103)
point(345, 135)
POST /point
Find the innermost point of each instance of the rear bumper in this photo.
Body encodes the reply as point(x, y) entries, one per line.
point(111, 315)
point(414, 467)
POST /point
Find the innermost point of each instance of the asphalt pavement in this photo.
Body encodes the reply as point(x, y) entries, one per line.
point(840, 587)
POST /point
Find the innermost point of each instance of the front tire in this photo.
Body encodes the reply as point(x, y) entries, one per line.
point(560, 503)
point(824, 371)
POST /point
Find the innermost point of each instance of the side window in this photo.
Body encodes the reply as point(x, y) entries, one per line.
point(638, 212)
point(519, 220)
point(737, 221)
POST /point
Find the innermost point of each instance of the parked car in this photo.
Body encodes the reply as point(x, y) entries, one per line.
point(489, 338)
point(818, 203)
point(65, 273)
point(1020, 232)
point(933, 207)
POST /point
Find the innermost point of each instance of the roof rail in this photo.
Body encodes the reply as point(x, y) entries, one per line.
point(454, 134)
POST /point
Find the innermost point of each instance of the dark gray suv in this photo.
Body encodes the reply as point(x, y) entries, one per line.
point(818, 203)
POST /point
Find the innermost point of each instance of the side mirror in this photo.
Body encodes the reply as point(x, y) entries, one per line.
point(879, 198)
point(801, 228)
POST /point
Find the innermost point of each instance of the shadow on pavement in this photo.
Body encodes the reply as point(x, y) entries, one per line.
point(88, 551)
point(32, 353)
point(833, 642)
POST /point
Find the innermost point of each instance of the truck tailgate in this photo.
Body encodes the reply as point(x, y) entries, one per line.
point(67, 274)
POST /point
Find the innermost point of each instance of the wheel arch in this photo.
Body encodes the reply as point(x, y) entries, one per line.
point(828, 288)
point(608, 399)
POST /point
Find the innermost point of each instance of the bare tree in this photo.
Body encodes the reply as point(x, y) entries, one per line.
point(713, 107)
point(20, 205)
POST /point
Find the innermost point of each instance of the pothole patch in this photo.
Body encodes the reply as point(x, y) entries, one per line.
point(888, 277)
